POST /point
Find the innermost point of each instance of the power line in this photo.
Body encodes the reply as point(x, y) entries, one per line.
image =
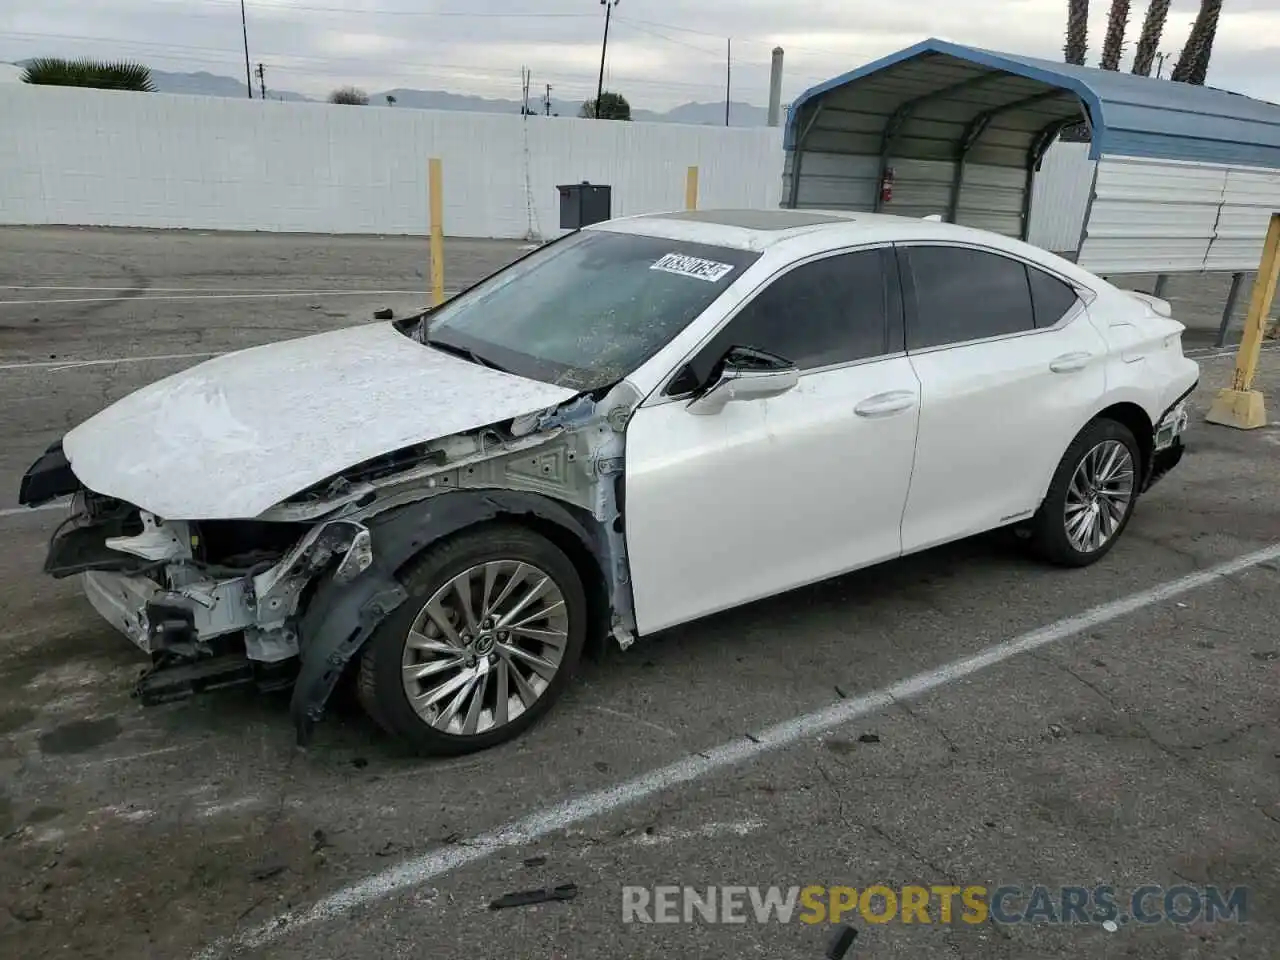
point(382, 12)
point(640, 26)
point(225, 57)
point(719, 36)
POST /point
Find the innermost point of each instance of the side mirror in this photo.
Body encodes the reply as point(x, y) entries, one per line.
point(746, 374)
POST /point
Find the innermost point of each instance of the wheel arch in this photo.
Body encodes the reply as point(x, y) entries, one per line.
point(341, 617)
point(1138, 421)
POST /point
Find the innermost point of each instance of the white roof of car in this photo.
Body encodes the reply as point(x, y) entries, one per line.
point(760, 229)
point(804, 232)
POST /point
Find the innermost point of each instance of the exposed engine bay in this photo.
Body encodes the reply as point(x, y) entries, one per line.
point(287, 597)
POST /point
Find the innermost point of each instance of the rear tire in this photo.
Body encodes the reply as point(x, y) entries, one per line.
point(491, 611)
point(1091, 497)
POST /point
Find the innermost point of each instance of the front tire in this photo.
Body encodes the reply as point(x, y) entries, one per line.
point(490, 636)
point(1091, 498)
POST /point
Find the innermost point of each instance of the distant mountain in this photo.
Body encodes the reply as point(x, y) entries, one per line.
point(740, 114)
point(215, 85)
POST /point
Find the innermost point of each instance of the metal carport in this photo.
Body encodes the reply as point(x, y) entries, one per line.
point(957, 131)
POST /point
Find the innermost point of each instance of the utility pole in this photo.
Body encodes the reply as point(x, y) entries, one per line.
point(604, 47)
point(262, 80)
point(244, 28)
point(728, 77)
point(546, 101)
point(526, 76)
point(1160, 59)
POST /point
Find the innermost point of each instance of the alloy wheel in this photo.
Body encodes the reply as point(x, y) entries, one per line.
point(485, 647)
point(1099, 496)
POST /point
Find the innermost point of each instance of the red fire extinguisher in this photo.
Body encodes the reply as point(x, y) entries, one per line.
point(886, 186)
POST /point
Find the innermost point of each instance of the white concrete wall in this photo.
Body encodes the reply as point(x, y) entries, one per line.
point(107, 158)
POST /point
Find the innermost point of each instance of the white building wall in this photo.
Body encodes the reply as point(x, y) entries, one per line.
point(108, 158)
point(98, 157)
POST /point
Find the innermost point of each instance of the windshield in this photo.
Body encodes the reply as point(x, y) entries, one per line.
point(585, 311)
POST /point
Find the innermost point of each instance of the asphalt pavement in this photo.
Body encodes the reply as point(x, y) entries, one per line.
point(964, 717)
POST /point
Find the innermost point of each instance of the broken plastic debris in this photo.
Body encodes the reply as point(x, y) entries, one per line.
point(385, 313)
point(841, 942)
point(525, 898)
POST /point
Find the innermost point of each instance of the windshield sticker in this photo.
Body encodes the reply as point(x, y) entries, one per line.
point(685, 266)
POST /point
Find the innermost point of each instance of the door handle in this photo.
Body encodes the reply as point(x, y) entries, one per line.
point(1070, 362)
point(884, 404)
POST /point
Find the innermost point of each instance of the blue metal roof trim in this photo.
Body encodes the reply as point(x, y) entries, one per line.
point(1132, 116)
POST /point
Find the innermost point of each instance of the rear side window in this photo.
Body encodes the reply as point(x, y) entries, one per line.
point(963, 294)
point(1050, 296)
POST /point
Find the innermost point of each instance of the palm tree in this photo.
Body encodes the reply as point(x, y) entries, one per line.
point(1193, 65)
point(1077, 31)
point(55, 71)
point(1149, 39)
point(1113, 45)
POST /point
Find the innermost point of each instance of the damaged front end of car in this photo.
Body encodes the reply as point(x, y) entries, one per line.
point(288, 597)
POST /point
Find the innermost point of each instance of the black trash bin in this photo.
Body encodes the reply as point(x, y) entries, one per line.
point(582, 204)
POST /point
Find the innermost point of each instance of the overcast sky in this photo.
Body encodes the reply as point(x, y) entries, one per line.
point(661, 52)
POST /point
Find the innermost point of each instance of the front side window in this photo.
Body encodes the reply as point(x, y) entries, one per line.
point(963, 294)
point(587, 310)
point(830, 311)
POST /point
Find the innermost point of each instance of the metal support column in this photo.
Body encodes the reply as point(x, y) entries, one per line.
point(798, 154)
point(1233, 295)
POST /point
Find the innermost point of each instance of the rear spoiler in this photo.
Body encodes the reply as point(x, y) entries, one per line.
point(1155, 304)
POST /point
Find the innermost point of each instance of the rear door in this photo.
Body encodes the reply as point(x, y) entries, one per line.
point(1009, 368)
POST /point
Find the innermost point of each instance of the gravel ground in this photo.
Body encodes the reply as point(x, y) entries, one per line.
point(1138, 746)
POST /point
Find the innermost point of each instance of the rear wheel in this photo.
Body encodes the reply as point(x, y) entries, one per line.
point(1091, 498)
point(491, 634)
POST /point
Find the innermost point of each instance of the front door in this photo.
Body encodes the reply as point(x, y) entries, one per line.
point(771, 494)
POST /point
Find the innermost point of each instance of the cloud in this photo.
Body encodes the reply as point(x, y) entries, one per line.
point(661, 52)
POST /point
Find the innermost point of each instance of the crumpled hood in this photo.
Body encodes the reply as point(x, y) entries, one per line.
point(235, 435)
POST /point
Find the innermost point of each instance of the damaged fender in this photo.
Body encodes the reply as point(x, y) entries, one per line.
point(341, 616)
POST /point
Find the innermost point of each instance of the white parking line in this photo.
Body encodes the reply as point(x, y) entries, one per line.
point(218, 296)
point(222, 289)
point(58, 365)
point(419, 870)
point(19, 511)
point(1212, 353)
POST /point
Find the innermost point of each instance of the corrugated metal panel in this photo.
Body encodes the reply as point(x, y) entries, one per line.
point(1248, 200)
point(920, 188)
point(991, 199)
point(836, 182)
point(1151, 217)
point(1132, 116)
point(1061, 196)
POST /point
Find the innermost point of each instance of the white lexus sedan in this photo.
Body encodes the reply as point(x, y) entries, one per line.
point(640, 424)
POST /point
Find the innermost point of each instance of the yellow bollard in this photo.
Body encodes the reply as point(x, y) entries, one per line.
point(436, 180)
point(1240, 405)
point(691, 189)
